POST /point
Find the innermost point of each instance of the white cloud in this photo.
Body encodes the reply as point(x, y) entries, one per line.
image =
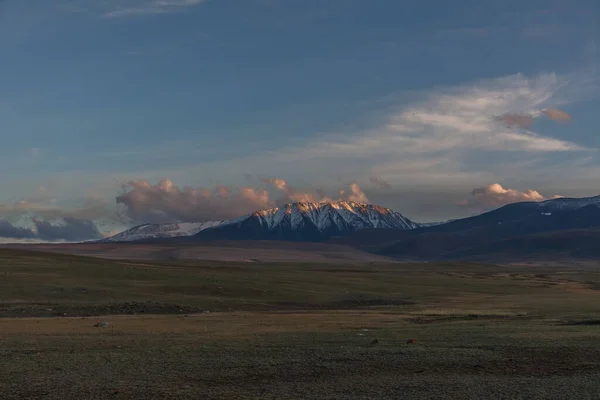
point(152, 7)
point(495, 195)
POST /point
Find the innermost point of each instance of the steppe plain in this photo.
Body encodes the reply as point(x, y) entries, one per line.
point(264, 325)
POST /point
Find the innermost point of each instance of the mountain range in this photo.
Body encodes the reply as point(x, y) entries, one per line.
point(519, 230)
point(564, 227)
point(308, 222)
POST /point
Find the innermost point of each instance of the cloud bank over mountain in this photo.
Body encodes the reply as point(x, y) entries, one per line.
point(67, 229)
point(494, 195)
point(167, 202)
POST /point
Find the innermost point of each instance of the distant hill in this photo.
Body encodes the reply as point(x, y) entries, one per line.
point(565, 227)
point(512, 228)
point(550, 246)
point(159, 231)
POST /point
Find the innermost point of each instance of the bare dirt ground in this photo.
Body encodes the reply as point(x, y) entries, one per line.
point(251, 251)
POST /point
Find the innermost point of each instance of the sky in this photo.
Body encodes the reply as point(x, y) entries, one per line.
point(115, 113)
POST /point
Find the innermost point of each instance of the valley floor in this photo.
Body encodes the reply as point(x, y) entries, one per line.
point(221, 250)
point(215, 330)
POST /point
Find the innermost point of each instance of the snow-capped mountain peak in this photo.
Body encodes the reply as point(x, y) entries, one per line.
point(311, 221)
point(294, 221)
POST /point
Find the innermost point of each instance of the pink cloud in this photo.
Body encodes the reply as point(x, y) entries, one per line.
point(557, 115)
point(166, 202)
point(494, 195)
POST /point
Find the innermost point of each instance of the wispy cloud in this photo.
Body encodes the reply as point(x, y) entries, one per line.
point(455, 133)
point(380, 183)
point(152, 7)
point(526, 120)
point(451, 133)
point(465, 117)
point(516, 120)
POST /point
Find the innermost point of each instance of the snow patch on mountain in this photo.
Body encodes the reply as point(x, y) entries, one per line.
point(428, 224)
point(156, 231)
point(567, 203)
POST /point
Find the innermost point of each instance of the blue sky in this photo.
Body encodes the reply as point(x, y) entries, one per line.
point(408, 99)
